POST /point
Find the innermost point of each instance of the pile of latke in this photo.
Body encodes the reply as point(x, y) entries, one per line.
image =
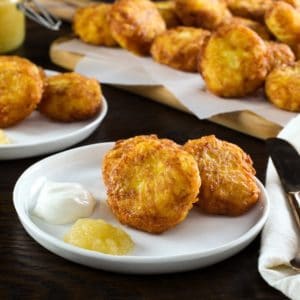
point(153, 183)
point(64, 97)
point(236, 45)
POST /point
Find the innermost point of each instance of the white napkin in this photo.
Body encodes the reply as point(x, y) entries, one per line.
point(280, 238)
point(117, 66)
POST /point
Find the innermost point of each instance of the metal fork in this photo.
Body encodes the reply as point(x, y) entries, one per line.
point(38, 13)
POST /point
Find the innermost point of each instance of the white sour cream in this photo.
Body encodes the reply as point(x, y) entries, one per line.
point(63, 202)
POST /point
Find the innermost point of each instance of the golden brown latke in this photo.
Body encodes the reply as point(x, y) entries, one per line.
point(168, 13)
point(228, 184)
point(71, 97)
point(43, 76)
point(179, 47)
point(296, 50)
point(294, 3)
point(252, 9)
point(21, 89)
point(91, 25)
point(135, 23)
point(201, 13)
point(259, 28)
point(283, 20)
point(234, 61)
point(283, 87)
point(279, 54)
point(113, 157)
point(152, 183)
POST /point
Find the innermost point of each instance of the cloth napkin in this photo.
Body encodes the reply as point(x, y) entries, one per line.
point(280, 237)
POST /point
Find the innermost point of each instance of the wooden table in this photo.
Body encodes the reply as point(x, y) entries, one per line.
point(28, 271)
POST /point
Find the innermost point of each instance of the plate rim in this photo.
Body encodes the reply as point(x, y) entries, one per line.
point(97, 120)
point(132, 259)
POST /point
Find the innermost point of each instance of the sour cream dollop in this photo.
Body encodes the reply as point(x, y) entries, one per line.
point(63, 202)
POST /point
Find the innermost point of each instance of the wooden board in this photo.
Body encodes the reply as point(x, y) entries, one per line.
point(64, 9)
point(243, 121)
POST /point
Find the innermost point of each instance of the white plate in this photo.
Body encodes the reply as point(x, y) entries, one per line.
point(199, 241)
point(38, 135)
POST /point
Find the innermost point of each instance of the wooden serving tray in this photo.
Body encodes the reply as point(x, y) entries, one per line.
point(242, 121)
point(64, 9)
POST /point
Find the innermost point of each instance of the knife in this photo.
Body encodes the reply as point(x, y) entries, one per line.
point(286, 160)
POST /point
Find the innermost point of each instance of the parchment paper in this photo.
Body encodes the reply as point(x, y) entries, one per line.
point(120, 67)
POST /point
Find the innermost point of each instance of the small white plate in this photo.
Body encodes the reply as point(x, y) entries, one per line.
point(38, 135)
point(199, 241)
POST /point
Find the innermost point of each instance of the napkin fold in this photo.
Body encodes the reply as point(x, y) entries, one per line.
point(280, 237)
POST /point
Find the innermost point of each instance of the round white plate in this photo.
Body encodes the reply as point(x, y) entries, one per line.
point(199, 241)
point(38, 135)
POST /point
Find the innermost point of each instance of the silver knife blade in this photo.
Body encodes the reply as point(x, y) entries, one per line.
point(287, 163)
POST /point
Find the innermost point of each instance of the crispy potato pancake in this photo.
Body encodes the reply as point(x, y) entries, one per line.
point(296, 50)
point(283, 87)
point(168, 13)
point(228, 185)
point(91, 25)
point(71, 97)
point(135, 23)
point(234, 61)
point(21, 88)
point(259, 28)
point(252, 9)
point(179, 47)
point(283, 20)
point(201, 13)
point(279, 54)
point(113, 157)
point(151, 183)
point(43, 75)
point(294, 3)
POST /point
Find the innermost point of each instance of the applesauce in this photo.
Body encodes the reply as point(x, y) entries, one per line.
point(97, 235)
point(3, 138)
point(12, 26)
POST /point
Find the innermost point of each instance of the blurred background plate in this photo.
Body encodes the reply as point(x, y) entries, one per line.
point(38, 135)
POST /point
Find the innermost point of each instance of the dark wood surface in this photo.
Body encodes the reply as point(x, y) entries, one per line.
point(28, 271)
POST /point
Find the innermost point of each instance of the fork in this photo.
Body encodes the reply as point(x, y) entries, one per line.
point(38, 13)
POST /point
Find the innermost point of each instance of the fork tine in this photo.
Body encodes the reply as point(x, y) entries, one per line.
point(38, 13)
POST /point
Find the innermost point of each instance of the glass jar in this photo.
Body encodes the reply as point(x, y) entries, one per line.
point(12, 26)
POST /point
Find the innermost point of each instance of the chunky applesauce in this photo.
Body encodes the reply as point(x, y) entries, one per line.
point(97, 235)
